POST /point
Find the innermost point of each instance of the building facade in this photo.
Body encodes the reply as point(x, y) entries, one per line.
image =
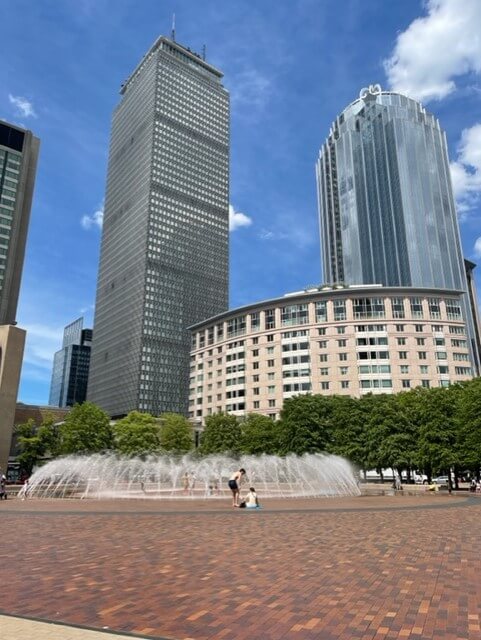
point(386, 206)
point(71, 365)
point(12, 342)
point(164, 254)
point(18, 165)
point(328, 340)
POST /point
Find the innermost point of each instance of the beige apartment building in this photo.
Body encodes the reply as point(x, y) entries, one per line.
point(327, 340)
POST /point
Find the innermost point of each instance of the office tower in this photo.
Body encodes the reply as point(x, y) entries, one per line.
point(18, 165)
point(386, 206)
point(164, 253)
point(71, 366)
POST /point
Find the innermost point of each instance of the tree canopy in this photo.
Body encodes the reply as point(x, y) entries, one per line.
point(136, 434)
point(86, 429)
point(176, 433)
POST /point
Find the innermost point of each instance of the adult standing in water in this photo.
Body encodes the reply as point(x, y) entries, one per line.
point(235, 485)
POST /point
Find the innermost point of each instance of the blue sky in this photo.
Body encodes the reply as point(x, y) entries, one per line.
point(291, 66)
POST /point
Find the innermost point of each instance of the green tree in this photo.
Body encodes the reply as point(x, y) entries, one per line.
point(306, 424)
point(136, 434)
point(31, 446)
point(221, 433)
point(468, 422)
point(176, 433)
point(437, 445)
point(259, 434)
point(86, 429)
point(349, 431)
point(35, 443)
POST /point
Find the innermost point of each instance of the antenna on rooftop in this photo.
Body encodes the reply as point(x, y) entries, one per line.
point(203, 52)
point(172, 34)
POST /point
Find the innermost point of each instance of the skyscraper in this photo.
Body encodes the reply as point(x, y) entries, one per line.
point(71, 366)
point(164, 252)
point(18, 165)
point(386, 206)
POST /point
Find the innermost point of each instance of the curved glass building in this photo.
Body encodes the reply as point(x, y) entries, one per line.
point(386, 206)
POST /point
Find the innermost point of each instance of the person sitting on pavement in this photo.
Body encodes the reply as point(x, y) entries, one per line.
point(251, 500)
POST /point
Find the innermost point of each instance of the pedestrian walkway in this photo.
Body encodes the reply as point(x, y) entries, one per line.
point(12, 628)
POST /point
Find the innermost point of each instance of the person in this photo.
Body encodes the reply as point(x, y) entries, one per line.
point(185, 482)
point(3, 489)
point(235, 484)
point(26, 487)
point(192, 479)
point(252, 502)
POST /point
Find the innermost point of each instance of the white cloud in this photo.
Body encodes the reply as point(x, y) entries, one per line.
point(436, 48)
point(250, 88)
point(477, 248)
point(24, 107)
point(466, 170)
point(94, 220)
point(237, 219)
point(42, 342)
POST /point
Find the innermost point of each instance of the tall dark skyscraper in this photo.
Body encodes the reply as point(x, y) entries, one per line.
point(164, 253)
point(18, 165)
point(386, 206)
point(71, 366)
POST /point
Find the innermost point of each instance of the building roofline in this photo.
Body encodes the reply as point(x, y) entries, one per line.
point(184, 50)
point(328, 291)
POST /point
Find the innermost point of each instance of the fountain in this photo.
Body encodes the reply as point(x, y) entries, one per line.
point(163, 477)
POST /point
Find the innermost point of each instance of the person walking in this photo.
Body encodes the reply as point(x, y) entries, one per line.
point(235, 485)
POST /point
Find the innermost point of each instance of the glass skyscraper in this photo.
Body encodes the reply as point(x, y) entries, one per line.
point(71, 366)
point(18, 165)
point(164, 252)
point(386, 206)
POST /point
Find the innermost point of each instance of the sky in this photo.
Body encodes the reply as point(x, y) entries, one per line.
point(291, 67)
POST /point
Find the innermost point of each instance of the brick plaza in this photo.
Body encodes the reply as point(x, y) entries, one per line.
point(372, 568)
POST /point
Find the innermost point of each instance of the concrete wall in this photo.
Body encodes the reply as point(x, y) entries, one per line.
point(12, 342)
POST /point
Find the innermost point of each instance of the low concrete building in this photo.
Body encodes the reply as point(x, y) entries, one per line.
point(328, 340)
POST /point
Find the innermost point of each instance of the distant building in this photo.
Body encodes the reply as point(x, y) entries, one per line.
point(165, 238)
point(340, 340)
point(38, 414)
point(71, 366)
point(386, 206)
point(18, 165)
point(12, 342)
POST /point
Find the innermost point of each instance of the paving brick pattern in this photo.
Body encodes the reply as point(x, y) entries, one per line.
point(360, 569)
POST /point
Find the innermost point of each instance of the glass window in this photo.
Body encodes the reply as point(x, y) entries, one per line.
point(422, 355)
point(397, 305)
point(210, 335)
point(366, 308)
point(416, 307)
point(255, 321)
point(321, 311)
point(321, 331)
point(344, 384)
point(220, 331)
point(270, 318)
point(339, 310)
point(453, 309)
point(236, 326)
point(294, 314)
point(434, 308)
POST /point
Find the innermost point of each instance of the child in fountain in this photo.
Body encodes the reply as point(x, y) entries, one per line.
point(252, 501)
point(234, 485)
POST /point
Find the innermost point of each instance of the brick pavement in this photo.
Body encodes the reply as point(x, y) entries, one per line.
point(366, 568)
